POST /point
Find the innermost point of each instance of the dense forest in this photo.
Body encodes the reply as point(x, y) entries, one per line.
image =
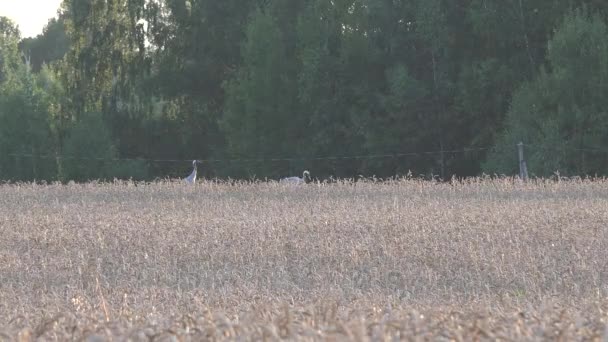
point(268, 88)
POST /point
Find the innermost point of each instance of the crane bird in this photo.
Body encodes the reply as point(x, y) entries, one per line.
point(191, 179)
point(297, 180)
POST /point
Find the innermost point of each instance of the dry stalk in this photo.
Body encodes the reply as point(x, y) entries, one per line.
point(475, 259)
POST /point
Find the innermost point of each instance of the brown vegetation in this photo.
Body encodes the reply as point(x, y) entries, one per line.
point(483, 259)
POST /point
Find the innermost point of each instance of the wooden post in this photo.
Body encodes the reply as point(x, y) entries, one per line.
point(523, 169)
point(59, 165)
point(34, 166)
point(442, 160)
point(17, 172)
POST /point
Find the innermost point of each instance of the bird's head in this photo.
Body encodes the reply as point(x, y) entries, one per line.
point(306, 175)
point(194, 163)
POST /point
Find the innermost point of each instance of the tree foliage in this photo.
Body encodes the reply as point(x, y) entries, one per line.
point(562, 112)
point(289, 81)
point(24, 115)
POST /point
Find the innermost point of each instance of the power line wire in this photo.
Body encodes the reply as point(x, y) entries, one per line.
point(248, 160)
point(287, 159)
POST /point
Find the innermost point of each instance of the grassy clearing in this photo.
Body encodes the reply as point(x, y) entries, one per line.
point(486, 259)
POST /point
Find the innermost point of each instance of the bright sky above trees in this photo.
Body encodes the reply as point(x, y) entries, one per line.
point(30, 15)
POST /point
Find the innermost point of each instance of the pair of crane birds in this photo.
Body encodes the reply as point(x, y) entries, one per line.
point(191, 179)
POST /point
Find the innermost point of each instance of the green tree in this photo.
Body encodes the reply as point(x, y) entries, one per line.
point(26, 140)
point(48, 47)
point(260, 99)
point(319, 124)
point(9, 53)
point(563, 110)
point(195, 48)
point(89, 156)
point(105, 69)
point(106, 53)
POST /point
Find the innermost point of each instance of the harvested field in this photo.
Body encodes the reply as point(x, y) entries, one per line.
point(483, 259)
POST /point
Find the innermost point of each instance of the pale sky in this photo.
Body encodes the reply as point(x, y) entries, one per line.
point(30, 15)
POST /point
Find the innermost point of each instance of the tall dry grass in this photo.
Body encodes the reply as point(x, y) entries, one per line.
point(482, 259)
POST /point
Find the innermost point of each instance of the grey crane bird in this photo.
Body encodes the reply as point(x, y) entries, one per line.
point(191, 179)
point(297, 180)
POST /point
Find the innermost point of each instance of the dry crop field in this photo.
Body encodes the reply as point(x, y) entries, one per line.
point(416, 260)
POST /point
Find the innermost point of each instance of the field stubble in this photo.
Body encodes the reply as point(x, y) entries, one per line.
point(482, 259)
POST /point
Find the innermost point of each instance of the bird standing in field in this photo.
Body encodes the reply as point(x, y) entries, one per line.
point(297, 180)
point(191, 179)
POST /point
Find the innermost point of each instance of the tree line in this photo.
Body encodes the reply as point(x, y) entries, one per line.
point(112, 84)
